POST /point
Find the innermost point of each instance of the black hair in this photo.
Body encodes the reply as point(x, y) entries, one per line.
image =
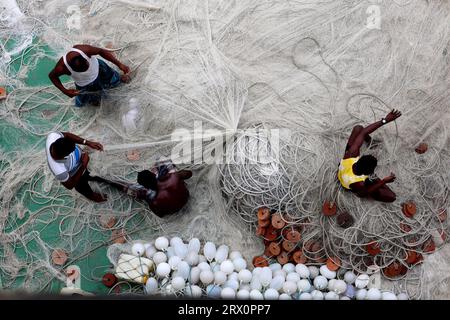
point(366, 165)
point(79, 64)
point(148, 180)
point(63, 147)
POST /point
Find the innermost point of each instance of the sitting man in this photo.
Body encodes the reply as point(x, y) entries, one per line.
point(92, 76)
point(163, 188)
point(69, 163)
point(354, 171)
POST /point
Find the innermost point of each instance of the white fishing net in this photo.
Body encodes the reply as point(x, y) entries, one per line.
point(312, 69)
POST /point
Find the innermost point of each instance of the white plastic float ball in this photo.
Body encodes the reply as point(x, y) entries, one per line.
point(255, 284)
point(373, 294)
point(194, 245)
point(350, 291)
point(331, 284)
point(388, 296)
point(265, 276)
point(243, 294)
point(138, 249)
point(204, 266)
point(245, 276)
point(163, 270)
point(213, 291)
point(275, 266)
point(271, 294)
point(349, 277)
point(331, 296)
point(206, 277)
point(170, 252)
point(305, 296)
point(151, 286)
point(302, 271)
point(216, 268)
point(183, 269)
point(174, 261)
point(159, 258)
point(227, 267)
point(181, 250)
point(193, 291)
point(221, 253)
point(327, 273)
point(209, 251)
point(277, 282)
point(195, 275)
point(313, 272)
point(284, 296)
point(256, 271)
point(234, 276)
point(402, 296)
point(239, 264)
point(175, 240)
point(178, 283)
point(361, 294)
point(362, 281)
point(235, 255)
point(293, 276)
point(344, 298)
point(303, 285)
point(289, 267)
point(220, 278)
point(340, 286)
point(232, 284)
point(150, 251)
point(192, 258)
point(281, 273)
point(320, 282)
point(245, 287)
point(256, 295)
point(317, 295)
point(228, 293)
point(161, 243)
point(289, 287)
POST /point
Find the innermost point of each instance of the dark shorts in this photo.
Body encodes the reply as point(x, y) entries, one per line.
point(92, 93)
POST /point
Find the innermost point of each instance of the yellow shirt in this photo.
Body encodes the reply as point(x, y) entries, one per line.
point(346, 175)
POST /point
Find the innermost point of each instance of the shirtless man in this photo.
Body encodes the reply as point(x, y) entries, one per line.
point(92, 76)
point(68, 162)
point(163, 188)
point(354, 170)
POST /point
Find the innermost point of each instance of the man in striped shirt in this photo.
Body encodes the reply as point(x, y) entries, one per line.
point(68, 162)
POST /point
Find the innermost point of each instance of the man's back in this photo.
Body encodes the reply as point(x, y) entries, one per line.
point(172, 195)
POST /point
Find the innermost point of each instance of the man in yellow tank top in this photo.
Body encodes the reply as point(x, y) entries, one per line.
point(354, 170)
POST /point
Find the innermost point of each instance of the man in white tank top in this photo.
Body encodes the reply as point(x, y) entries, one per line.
point(92, 76)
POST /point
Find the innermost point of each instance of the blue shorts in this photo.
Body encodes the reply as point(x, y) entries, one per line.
point(107, 78)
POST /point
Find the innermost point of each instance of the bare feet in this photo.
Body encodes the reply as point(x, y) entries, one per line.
point(97, 197)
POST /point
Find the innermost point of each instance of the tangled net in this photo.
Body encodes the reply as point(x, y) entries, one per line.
point(312, 69)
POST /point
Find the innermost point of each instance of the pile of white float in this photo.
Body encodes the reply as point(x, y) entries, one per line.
point(183, 269)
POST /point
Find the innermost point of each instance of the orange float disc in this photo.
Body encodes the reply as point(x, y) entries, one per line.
point(263, 223)
point(411, 257)
point(329, 208)
point(288, 246)
point(405, 228)
point(277, 221)
point(333, 263)
point(394, 270)
point(59, 257)
point(409, 209)
point(422, 148)
point(260, 262)
point(2, 93)
point(373, 248)
point(293, 235)
point(271, 233)
point(299, 257)
point(429, 246)
point(275, 249)
point(263, 213)
point(283, 258)
point(109, 280)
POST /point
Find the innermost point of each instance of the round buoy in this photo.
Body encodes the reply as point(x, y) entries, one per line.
point(260, 262)
point(405, 227)
point(283, 258)
point(442, 216)
point(429, 246)
point(409, 209)
point(395, 269)
point(263, 223)
point(109, 280)
point(329, 208)
point(274, 249)
point(345, 220)
point(59, 257)
point(288, 246)
point(263, 213)
point(411, 257)
point(299, 257)
point(293, 236)
point(422, 148)
point(133, 155)
point(277, 221)
point(333, 263)
point(271, 233)
point(373, 248)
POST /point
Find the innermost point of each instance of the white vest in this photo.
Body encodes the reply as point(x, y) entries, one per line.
point(83, 78)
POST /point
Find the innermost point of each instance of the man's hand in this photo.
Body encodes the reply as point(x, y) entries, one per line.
point(85, 159)
point(95, 145)
point(390, 178)
point(393, 115)
point(125, 69)
point(72, 93)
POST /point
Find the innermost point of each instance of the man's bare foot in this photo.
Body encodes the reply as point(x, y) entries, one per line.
point(97, 197)
point(125, 78)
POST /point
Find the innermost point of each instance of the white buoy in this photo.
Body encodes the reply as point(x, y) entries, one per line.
point(221, 253)
point(220, 278)
point(159, 257)
point(362, 281)
point(204, 266)
point(195, 275)
point(161, 243)
point(232, 284)
point(183, 269)
point(175, 241)
point(265, 276)
point(150, 251)
point(303, 285)
point(361, 294)
point(327, 273)
point(313, 272)
point(388, 296)
point(243, 294)
point(239, 264)
point(138, 249)
point(281, 273)
point(302, 271)
point(174, 261)
point(181, 250)
point(402, 296)
point(235, 255)
point(331, 284)
point(271, 294)
point(228, 293)
point(289, 267)
point(305, 296)
point(193, 291)
point(275, 267)
point(192, 258)
point(320, 282)
point(340, 286)
point(178, 283)
point(227, 267)
point(289, 287)
point(349, 277)
point(293, 276)
point(317, 295)
point(373, 294)
point(151, 286)
point(277, 283)
point(163, 270)
point(194, 245)
point(213, 291)
point(331, 296)
point(344, 298)
point(234, 276)
point(245, 276)
point(256, 295)
point(255, 284)
point(170, 252)
point(206, 277)
point(284, 296)
point(209, 250)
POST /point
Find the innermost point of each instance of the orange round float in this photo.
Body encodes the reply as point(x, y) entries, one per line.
point(333, 263)
point(288, 246)
point(263, 213)
point(411, 257)
point(283, 258)
point(271, 233)
point(263, 223)
point(109, 280)
point(373, 248)
point(277, 221)
point(274, 249)
point(409, 209)
point(59, 257)
point(429, 246)
point(329, 208)
point(260, 262)
point(299, 257)
point(293, 235)
point(422, 148)
point(405, 227)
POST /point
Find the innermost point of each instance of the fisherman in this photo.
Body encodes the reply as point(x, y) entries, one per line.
point(68, 162)
point(354, 170)
point(92, 76)
point(163, 188)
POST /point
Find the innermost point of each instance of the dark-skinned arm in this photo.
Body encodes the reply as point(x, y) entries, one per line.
point(184, 174)
point(366, 191)
point(73, 181)
point(78, 140)
point(108, 55)
point(54, 75)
